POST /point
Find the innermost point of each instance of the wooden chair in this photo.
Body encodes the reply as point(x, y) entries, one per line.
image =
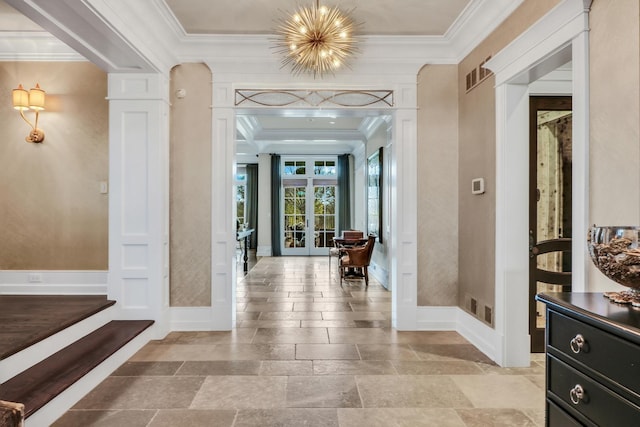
point(357, 257)
point(334, 251)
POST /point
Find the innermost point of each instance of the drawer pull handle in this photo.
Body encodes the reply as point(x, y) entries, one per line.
point(576, 394)
point(577, 343)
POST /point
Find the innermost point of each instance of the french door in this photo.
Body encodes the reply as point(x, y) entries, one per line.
point(309, 205)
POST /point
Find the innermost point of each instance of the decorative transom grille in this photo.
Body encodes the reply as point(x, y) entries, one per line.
point(313, 98)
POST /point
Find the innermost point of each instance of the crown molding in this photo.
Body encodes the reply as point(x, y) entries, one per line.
point(248, 126)
point(476, 22)
point(370, 125)
point(35, 46)
point(563, 22)
point(112, 34)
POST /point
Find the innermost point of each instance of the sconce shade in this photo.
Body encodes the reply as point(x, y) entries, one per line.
point(36, 98)
point(31, 100)
point(20, 98)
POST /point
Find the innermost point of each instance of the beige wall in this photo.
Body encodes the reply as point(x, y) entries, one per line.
point(614, 117)
point(477, 159)
point(190, 186)
point(52, 214)
point(438, 185)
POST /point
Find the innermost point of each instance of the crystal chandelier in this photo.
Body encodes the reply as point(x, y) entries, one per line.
point(316, 40)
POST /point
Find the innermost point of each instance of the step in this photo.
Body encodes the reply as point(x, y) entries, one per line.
point(29, 319)
point(35, 327)
point(47, 379)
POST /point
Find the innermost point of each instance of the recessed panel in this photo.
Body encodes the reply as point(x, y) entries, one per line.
point(135, 256)
point(135, 293)
point(135, 172)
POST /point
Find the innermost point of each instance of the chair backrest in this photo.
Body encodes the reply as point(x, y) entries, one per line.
point(370, 244)
point(352, 234)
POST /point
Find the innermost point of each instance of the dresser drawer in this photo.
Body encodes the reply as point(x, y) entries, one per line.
point(606, 354)
point(573, 390)
point(556, 417)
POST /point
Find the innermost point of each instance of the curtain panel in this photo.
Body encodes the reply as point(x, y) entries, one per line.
point(252, 203)
point(344, 194)
point(275, 205)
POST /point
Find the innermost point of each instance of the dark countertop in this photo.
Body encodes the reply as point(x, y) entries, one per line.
point(597, 310)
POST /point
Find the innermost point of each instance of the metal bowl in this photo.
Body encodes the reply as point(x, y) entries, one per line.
point(615, 250)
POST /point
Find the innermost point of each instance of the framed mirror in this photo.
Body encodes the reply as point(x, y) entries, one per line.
point(374, 194)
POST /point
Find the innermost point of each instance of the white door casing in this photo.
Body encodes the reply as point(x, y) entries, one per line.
point(559, 36)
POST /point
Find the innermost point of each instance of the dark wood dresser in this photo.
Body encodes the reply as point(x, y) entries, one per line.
point(593, 361)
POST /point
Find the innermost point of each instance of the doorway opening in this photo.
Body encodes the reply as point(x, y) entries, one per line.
point(308, 205)
point(550, 205)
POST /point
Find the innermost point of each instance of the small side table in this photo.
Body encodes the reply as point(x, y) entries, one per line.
point(243, 235)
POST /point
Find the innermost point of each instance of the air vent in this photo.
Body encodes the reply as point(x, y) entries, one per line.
point(478, 75)
point(488, 315)
point(471, 305)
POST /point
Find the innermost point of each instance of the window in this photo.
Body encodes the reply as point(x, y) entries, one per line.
point(241, 196)
point(374, 194)
point(297, 167)
point(325, 168)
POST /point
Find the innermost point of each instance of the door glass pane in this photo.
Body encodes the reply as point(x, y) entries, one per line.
point(240, 203)
point(324, 210)
point(294, 216)
point(553, 207)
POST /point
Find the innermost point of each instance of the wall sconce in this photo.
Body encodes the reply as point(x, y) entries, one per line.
point(30, 100)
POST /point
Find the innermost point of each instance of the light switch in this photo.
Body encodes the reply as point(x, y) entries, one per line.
point(104, 187)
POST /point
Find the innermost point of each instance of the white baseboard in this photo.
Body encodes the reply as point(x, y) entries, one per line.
point(64, 401)
point(453, 318)
point(436, 318)
point(195, 319)
point(478, 333)
point(53, 282)
point(380, 274)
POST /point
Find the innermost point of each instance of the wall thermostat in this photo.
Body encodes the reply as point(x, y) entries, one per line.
point(477, 186)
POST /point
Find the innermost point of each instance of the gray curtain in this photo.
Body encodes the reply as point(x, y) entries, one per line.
point(344, 194)
point(275, 205)
point(252, 203)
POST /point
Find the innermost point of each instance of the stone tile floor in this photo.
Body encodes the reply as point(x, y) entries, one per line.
point(307, 352)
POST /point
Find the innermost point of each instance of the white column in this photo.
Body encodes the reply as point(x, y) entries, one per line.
point(403, 187)
point(223, 238)
point(512, 225)
point(139, 197)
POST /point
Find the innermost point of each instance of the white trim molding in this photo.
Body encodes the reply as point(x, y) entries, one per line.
point(139, 199)
point(193, 319)
point(449, 318)
point(53, 282)
point(557, 38)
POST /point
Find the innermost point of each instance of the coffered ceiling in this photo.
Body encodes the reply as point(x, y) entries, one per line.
point(378, 17)
point(154, 35)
